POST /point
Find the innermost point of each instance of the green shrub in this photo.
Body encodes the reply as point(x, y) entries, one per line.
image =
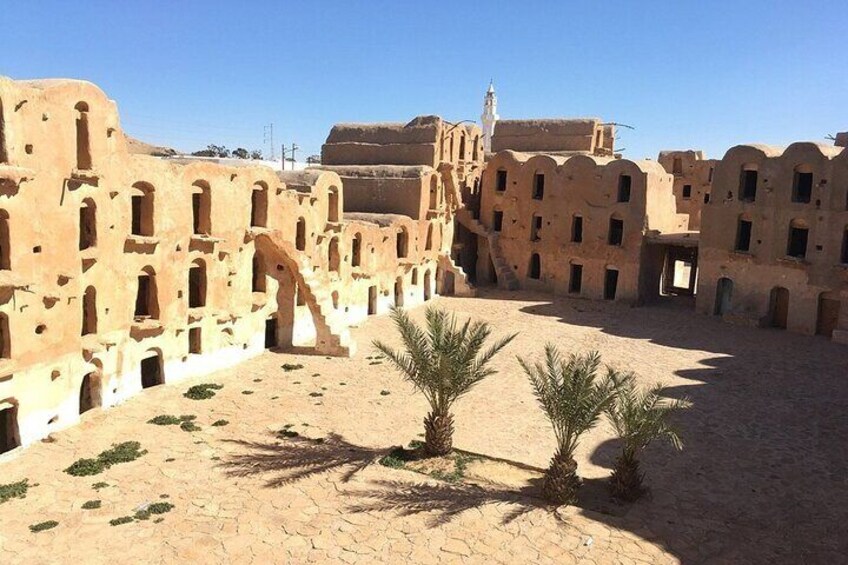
point(14, 490)
point(189, 426)
point(315, 394)
point(121, 520)
point(291, 367)
point(203, 391)
point(219, 423)
point(142, 515)
point(41, 526)
point(91, 505)
point(118, 453)
point(247, 392)
point(385, 393)
point(100, 485)
point(164, 420)
point(160, 507)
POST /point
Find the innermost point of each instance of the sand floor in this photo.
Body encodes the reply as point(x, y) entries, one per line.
point(763, 476)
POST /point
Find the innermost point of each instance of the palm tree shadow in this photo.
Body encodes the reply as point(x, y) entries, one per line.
point(296, 458)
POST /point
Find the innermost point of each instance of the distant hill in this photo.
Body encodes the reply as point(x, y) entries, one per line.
point(141, 148)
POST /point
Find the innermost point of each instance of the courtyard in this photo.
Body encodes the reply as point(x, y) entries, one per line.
point(294, 475)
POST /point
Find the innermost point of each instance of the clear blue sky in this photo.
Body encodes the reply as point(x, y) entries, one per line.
point(686, 74)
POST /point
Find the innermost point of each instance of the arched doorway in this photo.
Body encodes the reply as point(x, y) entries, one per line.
point(9, 435)
point(724, 296)
point(427, 289)
point(399, 292)
point(828, 314)
point(778, 313)
point(90, 393)
point(152, 373)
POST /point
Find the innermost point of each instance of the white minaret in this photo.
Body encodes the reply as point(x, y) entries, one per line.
point(489, 117)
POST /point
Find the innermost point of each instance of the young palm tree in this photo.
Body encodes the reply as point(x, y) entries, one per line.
point(443, 363)
point(573, 397)
point(639, 417)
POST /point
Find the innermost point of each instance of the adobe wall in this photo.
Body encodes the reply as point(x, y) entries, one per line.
point(387, 189)
point(692, 170)
point(305, 279)
point(586, 135)
point(772, 212)
point(583, 186)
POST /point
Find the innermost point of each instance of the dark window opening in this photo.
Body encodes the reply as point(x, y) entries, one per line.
point(844, 258)
point(748, 186)
point(624, 183)
point(83, 141)
point(500, 184)
point(707, 198)
point(87, 225)
point(258, 280)
point(90, 395)
point(402, 244)
point(89, 311)
point(9, 437)
point(743, 235)
point(535, 228)
point(333, 206)
point(5, 242)
point(196, 286)
point(687, 191)
point(616, 231)
point(5, 338)
point(194, 341)
point(270, 333)
point(259, 206)
point(372, 300)
point(575, 282)
point(497, 221)
point(535, 271)
point(427, 286)
point(802, 187)
point(300, 240)
point(151, 372)
point(399, 292)
point(797, 246)
point(201, 207)
point(334, 257)
point(577, 229)
point(538, 186)
point(141, 204)
point(677, 167)
point(429, 244)
point(145, 300)
point(610, 284)
point(356, 252)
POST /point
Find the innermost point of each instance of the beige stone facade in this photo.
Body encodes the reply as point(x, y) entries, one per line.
point(693, 177)
point(774, 241)
point(122, 271)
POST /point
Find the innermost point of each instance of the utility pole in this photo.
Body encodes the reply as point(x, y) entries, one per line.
point(268, 137)
point(283, 156)
point(294, 148)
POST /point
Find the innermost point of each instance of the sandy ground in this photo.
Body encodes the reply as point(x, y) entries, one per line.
point(763, 477)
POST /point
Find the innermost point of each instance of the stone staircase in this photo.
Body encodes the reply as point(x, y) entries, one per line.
point(332, 335)
point(506, 277)
point(461, 285)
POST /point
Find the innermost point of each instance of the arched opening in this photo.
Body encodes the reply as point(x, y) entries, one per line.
point(828, 314)
point(83, 138)
point(87, 224)
point(802, 184)
point(152, 373)
point(300, 239)
point(616, 230)
point(5, 337)
point(372, 300)
point(197, 284)
point(5, 242)
point(142, 209)
point(452, 155)
point(89, 311)
point(415, 276)
point(462, 147)
point(402, 243)
point(610, 283)
point(335, 297)
point(429, 241)
point(334, 257)
point(356, 251)
point(475, 148)
point(778, 312)
point(399, 292)
point(535, 269)
point(724, 296)
point(434, 192)
point(796, 245)
point(748, 178)
point(9, 435)
point(4, 153)
point(90, 395)
point(427, 282)
point(333, 205)
point(259, 205)
point(258, 275)
point(201, 208)
point(146, 300)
